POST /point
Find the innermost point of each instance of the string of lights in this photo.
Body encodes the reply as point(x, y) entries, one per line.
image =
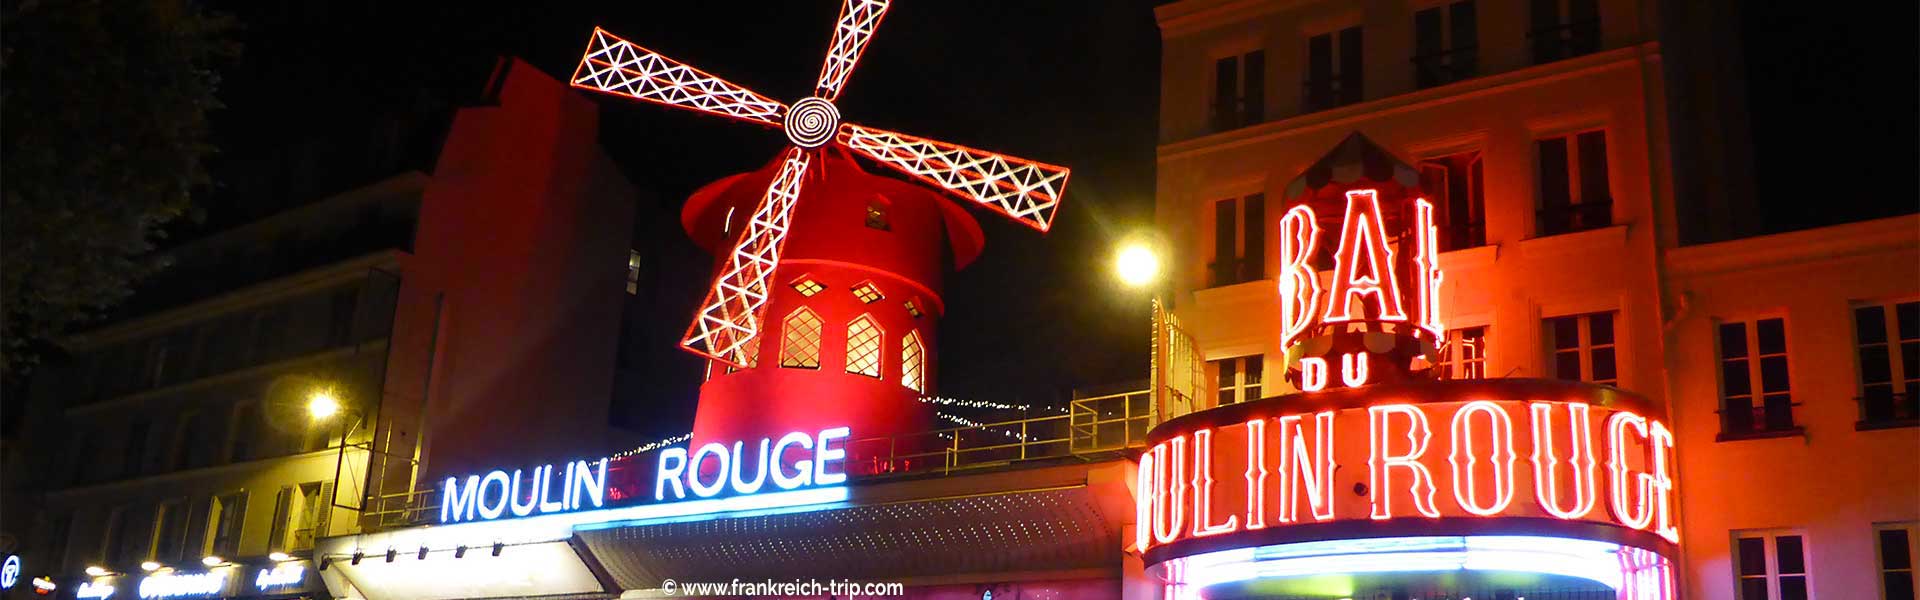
point(655, 445)
point(978, 425)
point(945, 401)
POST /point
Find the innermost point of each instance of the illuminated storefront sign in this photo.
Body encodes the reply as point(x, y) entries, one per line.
point(280, 576)
point(715, 467)
point(580, 485)
point(9, 572)
point(183, 585)
point(713, 471)
point(1473, 458)
point(93, 591)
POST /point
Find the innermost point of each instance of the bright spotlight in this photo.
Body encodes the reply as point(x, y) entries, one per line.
point(149, 566)
point(322, 405)
point(212, 561)
point(1137, 264)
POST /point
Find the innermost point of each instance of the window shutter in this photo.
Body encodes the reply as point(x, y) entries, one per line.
point(1254, 250)
point(198, 529)
point(1554, 181)
point(1351, 79)
point(1253, 102)
point(1546, 31)
point(282, 505)
point(1224, 233)
point(1319, 71)
point(325, 514)
point(1226, 94)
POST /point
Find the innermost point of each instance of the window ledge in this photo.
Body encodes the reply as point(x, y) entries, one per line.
point(1894, 424)
point(1469, 258)
point(1760, 435)
point(1590, 240)
point(1236, 292)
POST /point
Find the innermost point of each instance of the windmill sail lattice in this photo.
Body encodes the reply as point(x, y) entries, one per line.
point(730, 316)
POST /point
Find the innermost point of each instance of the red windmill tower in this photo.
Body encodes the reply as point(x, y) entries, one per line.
point(822, 310)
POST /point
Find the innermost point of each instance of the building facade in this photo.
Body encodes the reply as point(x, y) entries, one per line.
point(285, 377)
point(1541, 131)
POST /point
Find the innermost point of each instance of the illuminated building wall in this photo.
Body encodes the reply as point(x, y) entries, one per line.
point(1562, 264)
point(183, 431)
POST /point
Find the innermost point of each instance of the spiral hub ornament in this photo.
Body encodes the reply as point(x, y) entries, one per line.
point(812, 122)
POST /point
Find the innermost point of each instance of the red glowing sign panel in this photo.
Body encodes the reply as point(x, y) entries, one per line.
point(1366, 277)
point(1483, 458)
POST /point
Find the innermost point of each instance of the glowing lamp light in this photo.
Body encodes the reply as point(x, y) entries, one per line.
point(322, 405)
point(1137, 265)
point(212, 561)
point(149, 566)
point(96, 571)
point(279, 557)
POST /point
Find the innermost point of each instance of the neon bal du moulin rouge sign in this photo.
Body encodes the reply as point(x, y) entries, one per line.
point(793, 461)
point(1371, 446)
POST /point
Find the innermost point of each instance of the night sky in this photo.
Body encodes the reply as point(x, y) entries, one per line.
point(327, 96)
point(1070, 83)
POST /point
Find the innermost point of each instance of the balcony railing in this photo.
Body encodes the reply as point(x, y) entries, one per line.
point(1578, 38)
point(1234, 114)
point(1441, 68)
point(1771, 418)
point(1093, 427)
point(1230, 271)
point(1556, 220)
point(1882, 411)
point(1324, 94)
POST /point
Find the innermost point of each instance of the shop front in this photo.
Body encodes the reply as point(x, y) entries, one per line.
point(284, 580)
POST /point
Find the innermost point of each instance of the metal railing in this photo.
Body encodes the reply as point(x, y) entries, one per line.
point(1093, 427)
point(1888, 409)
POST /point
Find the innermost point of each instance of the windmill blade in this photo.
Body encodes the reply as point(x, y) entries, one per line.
point(858, 19)
point(729, 318)
point(1025, 190)
point(616, 66)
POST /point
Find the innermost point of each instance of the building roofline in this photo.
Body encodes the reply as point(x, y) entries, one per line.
point(405, 182)
point(1617, 58)
point(1190, 16)
point(1890, 234)
point(246, 297)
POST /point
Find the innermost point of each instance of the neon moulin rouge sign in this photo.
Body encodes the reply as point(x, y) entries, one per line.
point(791, 462)
point(1411, 454)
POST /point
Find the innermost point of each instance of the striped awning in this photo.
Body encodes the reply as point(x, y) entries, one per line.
point(1354, 160)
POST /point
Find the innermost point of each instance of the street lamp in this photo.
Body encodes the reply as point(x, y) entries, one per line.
point(1137, 265)
point(321, 405)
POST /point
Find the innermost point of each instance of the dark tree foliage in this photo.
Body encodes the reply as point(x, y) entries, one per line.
point(103, 116)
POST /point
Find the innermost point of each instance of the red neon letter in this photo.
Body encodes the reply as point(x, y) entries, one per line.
point(1169, 489)
point(1380, 460)
point(1143, 502)
point(1299, 468)
point(1426, 257)
point(1465, 488)
point(1299, 285)
point(1364, 239)
point(1546, 481)
point(1203, 524)
point(1662, 482)
point(1637, 516)
point(1257, 474)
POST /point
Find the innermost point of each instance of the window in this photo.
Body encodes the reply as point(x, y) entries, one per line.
point(1564, 29)
point(633, 272)
point(1239, 90)
point(1770, 566)
point(867, 293)
point(170, 531)
point(133, 456)
point(225, 517)
point(1333, 70)
point(247, 427)
point(1239, 240)
point(123, 543)
point(800, 340)
point(340, 311)
point(1238, 379)
point(1446, 44)
point(1574, 193)
point(198, 445)
point(1453, 184)
point(913, 362)
point(877, 216)
point(1896, 549)
point(863, 347)
point(1463, 355)
point(913, 309)
point(299, 515)
point(1581, 348)
point(1743, 346)
point(807, 286)
point(1888, 339)
point(57, 531)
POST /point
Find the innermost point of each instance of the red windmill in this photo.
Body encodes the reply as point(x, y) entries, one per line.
point(903, 261)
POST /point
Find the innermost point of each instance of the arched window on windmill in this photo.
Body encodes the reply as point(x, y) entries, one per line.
point(863, 347)
point(913, 373)
point(800, 340)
